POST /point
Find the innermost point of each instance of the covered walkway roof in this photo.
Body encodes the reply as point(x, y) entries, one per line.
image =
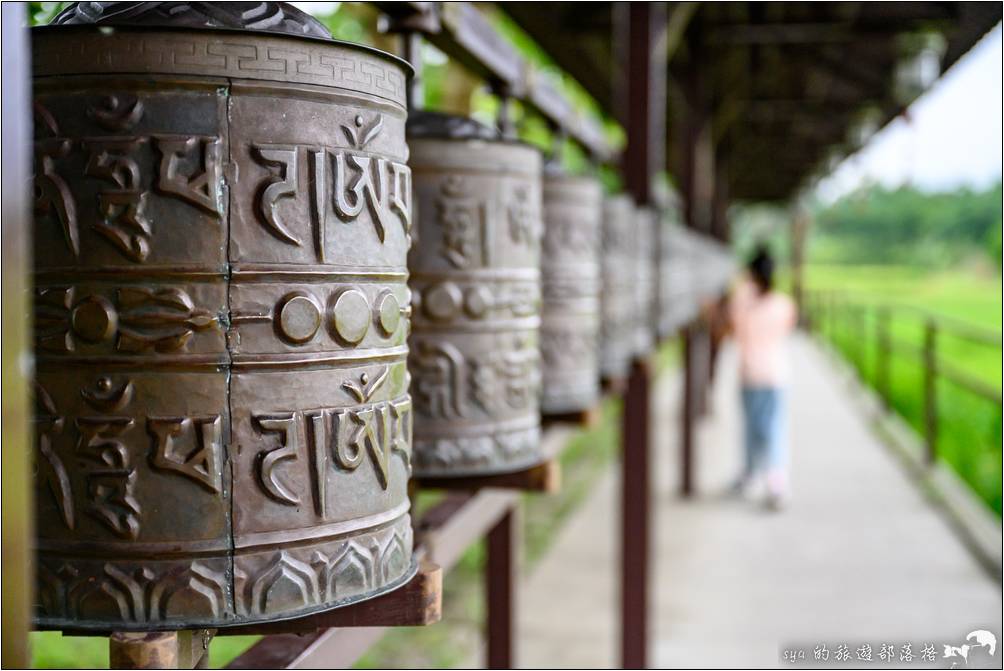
point(782, 85)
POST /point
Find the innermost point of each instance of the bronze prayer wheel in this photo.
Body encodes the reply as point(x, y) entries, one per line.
point(222, 224)
point(645, 269)
point(674, 274)
point(569, 333)
point(475, 277)
point(617, 292)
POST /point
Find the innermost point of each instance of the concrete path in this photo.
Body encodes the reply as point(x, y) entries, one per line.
point(859, 557)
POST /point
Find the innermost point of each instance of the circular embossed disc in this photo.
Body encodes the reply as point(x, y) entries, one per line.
point(442, 301)
point(94, 319)
point(477, 301)
point(351, 315)
point(389, 312)
point(299, 319)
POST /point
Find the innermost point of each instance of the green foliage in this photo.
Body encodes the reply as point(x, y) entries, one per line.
point(40, 13)
point(907, 226)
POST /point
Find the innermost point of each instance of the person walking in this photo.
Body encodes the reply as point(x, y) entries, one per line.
point(761, 321)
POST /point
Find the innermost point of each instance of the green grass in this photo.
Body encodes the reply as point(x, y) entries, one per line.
point(969, 426)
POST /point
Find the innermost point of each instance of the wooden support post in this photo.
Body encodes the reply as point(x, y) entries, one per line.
point(640, 39)
point(799, 232)
point(500, 588)
point(704, 369)
point(635, 493)
point(687, 414)
point(412, 52)
point(931, 390)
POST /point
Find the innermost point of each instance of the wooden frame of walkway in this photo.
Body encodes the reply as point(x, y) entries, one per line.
point(743, 78)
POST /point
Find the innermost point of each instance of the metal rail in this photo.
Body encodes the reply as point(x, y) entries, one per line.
point(832, 315)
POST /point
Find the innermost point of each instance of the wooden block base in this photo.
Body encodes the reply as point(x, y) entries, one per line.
point(586, 419)
point(544, 478)
point(186, 649)
point(614, 386)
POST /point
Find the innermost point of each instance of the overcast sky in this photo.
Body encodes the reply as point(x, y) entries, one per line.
point(951, 136)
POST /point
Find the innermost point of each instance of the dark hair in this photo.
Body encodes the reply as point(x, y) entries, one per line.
point(761, 267)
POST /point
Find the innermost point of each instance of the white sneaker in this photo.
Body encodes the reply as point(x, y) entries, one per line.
point(776, 502)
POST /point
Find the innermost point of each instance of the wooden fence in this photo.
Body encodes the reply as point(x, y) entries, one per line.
point(838, 318)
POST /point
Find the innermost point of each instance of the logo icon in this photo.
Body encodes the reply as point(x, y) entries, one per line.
point(981, 638)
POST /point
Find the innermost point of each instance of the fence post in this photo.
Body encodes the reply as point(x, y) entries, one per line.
point(862, 341)
point(500, 589)
point(931, 389)
point(836, 311)
point(883, 353)
point(834, 318)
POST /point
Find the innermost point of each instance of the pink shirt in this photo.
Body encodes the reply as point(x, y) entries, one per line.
point(761, 324)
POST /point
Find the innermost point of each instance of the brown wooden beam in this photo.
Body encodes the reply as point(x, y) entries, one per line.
point(543, 478)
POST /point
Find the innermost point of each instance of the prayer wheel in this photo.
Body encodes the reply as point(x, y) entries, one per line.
point(569, 335)
point(617, 294)
point(674, 273)
point(475, 280)
point(223, 421)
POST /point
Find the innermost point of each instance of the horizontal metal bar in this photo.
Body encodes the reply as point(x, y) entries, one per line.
point(949, 326)
point(447, 543)
point(329, 649)
point(975, 334)
point(968, 381)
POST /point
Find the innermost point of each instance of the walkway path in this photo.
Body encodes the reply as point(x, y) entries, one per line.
point(858, 557)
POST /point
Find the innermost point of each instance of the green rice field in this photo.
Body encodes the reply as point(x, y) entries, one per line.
point(968, 434)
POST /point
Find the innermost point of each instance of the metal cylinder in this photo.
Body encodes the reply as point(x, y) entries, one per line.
point(570, 272)
point(674, 274)
point(475, 279)
point(222, 222)
point(617, 293)
point(645, 260)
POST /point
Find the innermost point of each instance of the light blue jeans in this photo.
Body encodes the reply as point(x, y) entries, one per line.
point(765, 429)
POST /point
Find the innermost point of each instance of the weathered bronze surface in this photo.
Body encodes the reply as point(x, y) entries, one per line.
point(617, 294)
point(714, 267)
point(569, 334)
point(677, 300)
point(475, 279)
point(645, 259)
point(223, 421)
